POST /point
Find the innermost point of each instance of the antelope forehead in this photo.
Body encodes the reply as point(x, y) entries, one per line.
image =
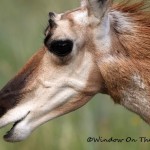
point(63, 31)
point(80, 17)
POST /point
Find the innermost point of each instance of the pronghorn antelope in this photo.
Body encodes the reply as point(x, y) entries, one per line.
point(99, 47)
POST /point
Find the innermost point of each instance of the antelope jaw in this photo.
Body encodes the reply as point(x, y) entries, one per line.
point(19, 130)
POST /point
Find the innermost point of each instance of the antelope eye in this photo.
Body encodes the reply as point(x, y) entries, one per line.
point(61, 48)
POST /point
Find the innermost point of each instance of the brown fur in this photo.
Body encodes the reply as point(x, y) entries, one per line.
point(137, 42)
point(131, 56)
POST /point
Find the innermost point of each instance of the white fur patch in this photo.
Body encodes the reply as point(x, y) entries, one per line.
point(102, 36)
point(81, 17)
point(136, 98)
point(16, 113)
point(123, 22)
point(138, 81)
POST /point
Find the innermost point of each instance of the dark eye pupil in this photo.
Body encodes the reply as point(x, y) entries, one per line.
point(61, 48)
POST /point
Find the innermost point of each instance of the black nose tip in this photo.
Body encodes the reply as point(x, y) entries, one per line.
point(51, 14)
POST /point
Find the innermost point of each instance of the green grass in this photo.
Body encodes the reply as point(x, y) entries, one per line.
point(21, 33)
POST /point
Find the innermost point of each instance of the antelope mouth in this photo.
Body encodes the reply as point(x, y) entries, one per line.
point(15, 134)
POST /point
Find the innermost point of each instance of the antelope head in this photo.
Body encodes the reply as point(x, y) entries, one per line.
point(61, 77)
point(78, 60)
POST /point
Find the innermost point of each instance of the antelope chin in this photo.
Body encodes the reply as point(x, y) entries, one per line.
point(19, 131)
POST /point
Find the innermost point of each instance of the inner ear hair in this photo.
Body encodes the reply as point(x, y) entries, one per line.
point(99, 7)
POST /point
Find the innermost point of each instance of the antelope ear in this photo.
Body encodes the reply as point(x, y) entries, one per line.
point(98, 7)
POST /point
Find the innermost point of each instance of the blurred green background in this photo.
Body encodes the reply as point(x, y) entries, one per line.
point(22, 23)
